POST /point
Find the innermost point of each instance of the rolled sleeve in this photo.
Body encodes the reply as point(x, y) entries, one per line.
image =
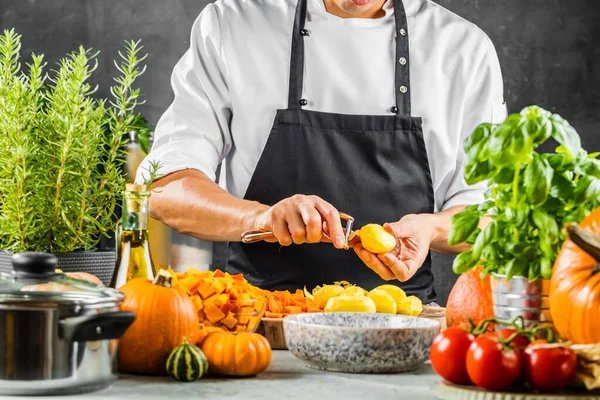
point(194, 131)
point(484, 102)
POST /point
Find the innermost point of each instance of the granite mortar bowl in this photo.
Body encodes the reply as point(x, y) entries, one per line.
point(360, 342)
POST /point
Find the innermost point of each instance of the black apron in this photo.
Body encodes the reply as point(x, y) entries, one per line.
point(374, 168)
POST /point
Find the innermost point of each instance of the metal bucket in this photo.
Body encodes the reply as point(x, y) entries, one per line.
point(520, 297)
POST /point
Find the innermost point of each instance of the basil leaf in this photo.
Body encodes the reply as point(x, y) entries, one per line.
point(516, 267)
point(518, 216)
point(463, 225)
point(475, 145)
point(534, 271)
point(581, 193)
point(546, 224)
point(463, 262)
point(589, 166)
point(564, 134)
point(479, 171)
point(562, 187)
point(537, 180)
point(485, 206)
point(593, 190)
point(505, 175)
point(484, 238)
point(522, 250)
point(546, 268)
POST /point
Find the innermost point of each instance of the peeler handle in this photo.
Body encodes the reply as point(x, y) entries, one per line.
point(258, 235)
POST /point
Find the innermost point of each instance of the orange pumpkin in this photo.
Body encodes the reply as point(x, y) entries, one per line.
point(575, 283)
point(164, 316)
point(471, 297)
point(236, 353)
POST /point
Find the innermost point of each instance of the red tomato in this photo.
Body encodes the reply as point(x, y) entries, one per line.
point(448, 354)
point(491, 365)
point(549, 369)
point(520, 341)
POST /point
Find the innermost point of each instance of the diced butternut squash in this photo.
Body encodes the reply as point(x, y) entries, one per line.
point(229, 321)
point(213, 313)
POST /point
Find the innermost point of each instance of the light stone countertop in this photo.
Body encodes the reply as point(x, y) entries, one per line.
point(287, 379)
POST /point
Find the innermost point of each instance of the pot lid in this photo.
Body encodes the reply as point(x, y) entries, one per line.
point(35, 279)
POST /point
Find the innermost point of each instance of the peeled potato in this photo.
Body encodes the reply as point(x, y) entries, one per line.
point(397, 294)
point(383, 301)
point(354, 291)
point(410, 305)
point(376, 239)
point(322, 295)
point(351, 304)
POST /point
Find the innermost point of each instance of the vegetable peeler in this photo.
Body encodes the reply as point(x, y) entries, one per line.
point(258, 235)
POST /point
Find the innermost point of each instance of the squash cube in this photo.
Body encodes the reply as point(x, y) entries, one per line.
point(213, 314)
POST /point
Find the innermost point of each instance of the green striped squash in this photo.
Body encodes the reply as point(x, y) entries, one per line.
point(187, 362)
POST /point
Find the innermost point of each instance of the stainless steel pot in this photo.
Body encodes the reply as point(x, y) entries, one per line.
point(57, 335)
point(520, 297)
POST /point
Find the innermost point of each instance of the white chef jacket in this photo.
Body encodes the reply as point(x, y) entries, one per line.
point(235, 75)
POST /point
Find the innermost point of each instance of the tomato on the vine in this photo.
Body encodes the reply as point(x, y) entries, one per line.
point(448, 354)
point(519, 341)
point(549, 368)
point(491, 365)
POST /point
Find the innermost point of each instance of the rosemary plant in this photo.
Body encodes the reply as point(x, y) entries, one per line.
point(62, 149)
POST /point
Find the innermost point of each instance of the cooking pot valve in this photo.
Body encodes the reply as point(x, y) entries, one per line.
point(87, 328)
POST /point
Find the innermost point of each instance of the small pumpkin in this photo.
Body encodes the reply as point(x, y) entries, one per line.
point(575, 283)
point(164, 316)
point(236, 353)
point(187, 362)
point(470, 297)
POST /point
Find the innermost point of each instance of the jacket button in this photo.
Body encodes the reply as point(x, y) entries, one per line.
point(394, 109)
point(304, 32)
point(303, 102)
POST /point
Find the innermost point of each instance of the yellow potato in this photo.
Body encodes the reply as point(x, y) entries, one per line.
point(397, 294)
point(376, 239)
point(351, 304)
point(322, 295)
point(411, 305)
point(383, 301)
point(354, 291)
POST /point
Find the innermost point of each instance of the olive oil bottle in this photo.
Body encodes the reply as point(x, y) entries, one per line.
point(133, 246)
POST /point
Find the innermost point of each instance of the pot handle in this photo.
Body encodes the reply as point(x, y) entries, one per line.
point(87, 328)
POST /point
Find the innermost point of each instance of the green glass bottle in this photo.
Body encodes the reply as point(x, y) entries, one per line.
point(133, 246)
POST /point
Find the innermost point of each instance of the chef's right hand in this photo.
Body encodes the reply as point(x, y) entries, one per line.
point(302, 219)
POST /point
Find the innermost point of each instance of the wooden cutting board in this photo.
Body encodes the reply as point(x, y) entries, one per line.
point(272, 328)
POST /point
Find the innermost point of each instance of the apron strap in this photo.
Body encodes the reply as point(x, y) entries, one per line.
point(402, 73)
point(402, 66)
point(295, 100)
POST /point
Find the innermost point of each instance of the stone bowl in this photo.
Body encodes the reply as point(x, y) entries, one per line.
point(360, 342)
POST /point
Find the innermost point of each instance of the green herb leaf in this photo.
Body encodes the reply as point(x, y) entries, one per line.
point(537, 180)
point(564, 134)
point(479, 171)
point(463, 262)
point(464, 224)
point(534, 271)
point(515, 267)
point(546, 268)
point(546, 224)
point(484, 238)
point(562, 187)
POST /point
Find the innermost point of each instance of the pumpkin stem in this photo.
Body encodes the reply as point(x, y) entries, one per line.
point(163, 278)
point(586, 241)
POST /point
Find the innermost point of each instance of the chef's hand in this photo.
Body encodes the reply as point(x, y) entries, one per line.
point(302, 219)
point(414, 235)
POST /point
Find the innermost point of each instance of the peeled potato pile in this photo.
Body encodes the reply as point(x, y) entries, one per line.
point(344, 297)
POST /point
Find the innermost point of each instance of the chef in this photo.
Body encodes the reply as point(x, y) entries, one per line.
point(309, 108)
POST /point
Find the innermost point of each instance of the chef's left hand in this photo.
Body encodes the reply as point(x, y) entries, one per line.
point(414, 234)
